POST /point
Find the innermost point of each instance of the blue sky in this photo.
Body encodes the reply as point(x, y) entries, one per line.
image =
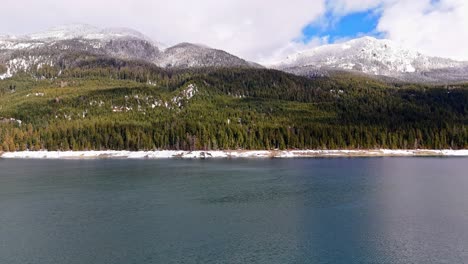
point(350, 26)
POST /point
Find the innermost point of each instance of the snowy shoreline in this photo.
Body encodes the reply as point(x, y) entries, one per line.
point(261, 154)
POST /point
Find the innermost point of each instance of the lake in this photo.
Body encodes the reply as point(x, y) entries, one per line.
point(362, 210)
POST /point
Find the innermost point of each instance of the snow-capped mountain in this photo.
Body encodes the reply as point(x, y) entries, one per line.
point(29, 52)
point(373, 57)
point(81, 31)
point(62, 46)
point(187, 55)
point(23, 53)
point(68, 32)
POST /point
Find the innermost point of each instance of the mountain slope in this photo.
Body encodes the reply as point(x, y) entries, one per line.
point(32, 52)
point(82, 31)
point(100, 106)
point(373, 57)
point(187, 55)
point(382, 59)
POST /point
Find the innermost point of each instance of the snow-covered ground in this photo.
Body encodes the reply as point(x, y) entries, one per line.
point(6, 75)
point(165, 154)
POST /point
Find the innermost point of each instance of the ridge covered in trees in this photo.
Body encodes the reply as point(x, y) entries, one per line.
point(100, 104)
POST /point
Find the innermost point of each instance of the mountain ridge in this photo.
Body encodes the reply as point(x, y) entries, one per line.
point(368, 55)
point(379, 58)
point(33, 51)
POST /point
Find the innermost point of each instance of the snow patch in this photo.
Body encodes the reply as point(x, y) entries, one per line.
point(36, 94)
point(262, 154)
point(185, 95)
point(11, 120)
point(6, 75)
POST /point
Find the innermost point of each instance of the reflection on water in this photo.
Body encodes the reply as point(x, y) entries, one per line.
point(374, 210)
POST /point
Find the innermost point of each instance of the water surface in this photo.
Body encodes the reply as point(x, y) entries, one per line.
point(369, 210)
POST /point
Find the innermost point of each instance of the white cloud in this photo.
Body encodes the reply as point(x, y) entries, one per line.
point(292, 47)
point(435, 28)
point(343, 7)
point(259, 30)
point(253, 29)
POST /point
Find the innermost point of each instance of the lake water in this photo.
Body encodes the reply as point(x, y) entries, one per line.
point(363, 210)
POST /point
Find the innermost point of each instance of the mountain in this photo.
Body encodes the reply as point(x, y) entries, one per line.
point(53, 47)
point(376, 57)
point(187, 55)
point(50, 48)
point(82, 31)
point(63, 46)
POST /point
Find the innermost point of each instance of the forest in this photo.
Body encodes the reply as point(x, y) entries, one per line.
point(103, 104)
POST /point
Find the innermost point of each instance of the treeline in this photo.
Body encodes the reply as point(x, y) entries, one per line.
point(189, 136)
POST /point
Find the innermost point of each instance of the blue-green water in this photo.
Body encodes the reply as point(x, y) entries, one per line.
point(374, 210)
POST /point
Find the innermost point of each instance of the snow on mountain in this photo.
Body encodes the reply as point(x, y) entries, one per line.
point(70, 32)
point(9, 44)
point(26, 53)
point(122, 33)
point(187, 55)
point(364, 55)
point(367, 55)
point(82, 31)
point(66, 32)
point(6, 74)
point(4, 37)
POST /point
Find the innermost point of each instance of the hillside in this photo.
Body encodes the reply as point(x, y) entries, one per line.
point(101, 103)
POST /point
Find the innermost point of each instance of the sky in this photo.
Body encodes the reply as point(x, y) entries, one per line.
point(259, 30)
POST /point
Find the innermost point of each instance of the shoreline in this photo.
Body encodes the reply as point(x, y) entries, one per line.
point(230, 154)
